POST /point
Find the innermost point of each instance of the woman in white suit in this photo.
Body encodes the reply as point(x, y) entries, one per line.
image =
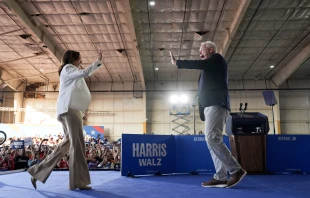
point(74, 97)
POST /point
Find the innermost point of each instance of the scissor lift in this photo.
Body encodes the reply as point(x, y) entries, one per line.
point(180, 120)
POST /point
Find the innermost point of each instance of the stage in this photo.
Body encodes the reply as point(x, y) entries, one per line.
point(110, 184)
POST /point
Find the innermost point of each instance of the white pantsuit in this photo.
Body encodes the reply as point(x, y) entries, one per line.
point(74, 97)
point(74, 143)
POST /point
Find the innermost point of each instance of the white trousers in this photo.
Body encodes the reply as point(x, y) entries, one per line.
point(215, 119)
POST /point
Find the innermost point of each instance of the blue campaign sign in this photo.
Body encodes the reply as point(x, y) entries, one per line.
point(287, 153)
point(147, 154)
point(17, 144)
point(192, 154)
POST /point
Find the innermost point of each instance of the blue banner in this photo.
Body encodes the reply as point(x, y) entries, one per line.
point(17, 144)
point(147, 154)
point(192, 154)
point(288, 153)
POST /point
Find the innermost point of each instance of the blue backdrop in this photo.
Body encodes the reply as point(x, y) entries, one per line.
point(192, 154)
point(183, 154)
point(288, 153)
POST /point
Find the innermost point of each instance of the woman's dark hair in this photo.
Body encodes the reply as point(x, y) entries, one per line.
point(69, 57)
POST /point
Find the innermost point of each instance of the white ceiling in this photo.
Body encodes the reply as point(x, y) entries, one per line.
point(136, 37)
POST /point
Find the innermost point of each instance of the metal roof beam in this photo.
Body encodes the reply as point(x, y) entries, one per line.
point(42, 38)
point(287, 70)
point(231, 31)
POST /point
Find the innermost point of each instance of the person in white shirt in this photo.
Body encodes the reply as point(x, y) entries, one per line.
point(74, 97)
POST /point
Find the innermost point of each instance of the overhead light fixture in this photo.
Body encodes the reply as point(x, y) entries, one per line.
point(83, 13)
point(156, 68)
point(35, 15)
point(183, 98)
point(24, 36)
point(271, 66)
point(179, 99)
point(201, 35)
point(174, 99)
point(121, 52)
point(152, 3)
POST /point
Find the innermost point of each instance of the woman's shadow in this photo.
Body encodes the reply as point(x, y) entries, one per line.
point(73, 194)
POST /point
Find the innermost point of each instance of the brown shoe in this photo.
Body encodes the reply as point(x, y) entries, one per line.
point(213, 183)
point(236, 178)
point(85, 188)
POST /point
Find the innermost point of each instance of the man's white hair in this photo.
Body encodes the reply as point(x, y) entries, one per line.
point(210, 44)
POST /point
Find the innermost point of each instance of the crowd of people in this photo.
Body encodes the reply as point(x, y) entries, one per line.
point(100, 153)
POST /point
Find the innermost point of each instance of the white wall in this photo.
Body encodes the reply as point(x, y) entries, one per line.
point(125, 114)
point(122, 113)
point(158, 104)
point(8, 101)
point(291, 114)
point(295, 107)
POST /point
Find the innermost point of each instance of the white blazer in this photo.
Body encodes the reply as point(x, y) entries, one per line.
point(73, 91)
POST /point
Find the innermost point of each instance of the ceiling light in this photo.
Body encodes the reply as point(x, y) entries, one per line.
point(121, 52)
point(174, 99)
point(201, 33)
point(183, 98)
point(156, 68)
point(83, 13)
point(152, 3)
point(271, 66)
point(35, 15)
point(25, 36)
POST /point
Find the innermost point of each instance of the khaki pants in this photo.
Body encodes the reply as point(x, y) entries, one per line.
point(74, 143)
point(215, 119)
